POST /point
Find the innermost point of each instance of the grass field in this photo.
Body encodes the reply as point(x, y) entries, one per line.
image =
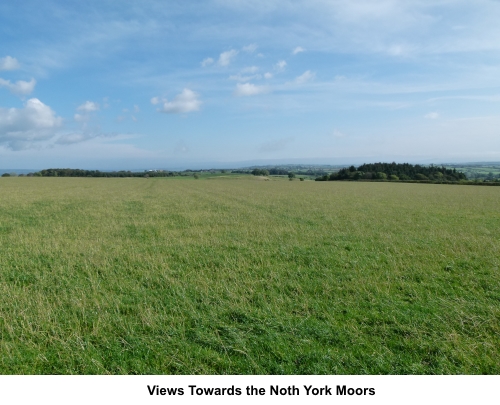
point(238, 275)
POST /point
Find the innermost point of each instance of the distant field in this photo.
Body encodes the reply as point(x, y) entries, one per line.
point(480, 171)
point(234, 275)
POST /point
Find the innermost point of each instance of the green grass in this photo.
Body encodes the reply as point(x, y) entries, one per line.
point(236, 275)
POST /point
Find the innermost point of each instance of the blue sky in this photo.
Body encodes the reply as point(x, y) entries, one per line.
point(172, 84)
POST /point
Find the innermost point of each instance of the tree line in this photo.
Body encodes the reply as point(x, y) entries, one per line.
point(263, 172)
point(395, 171)
point(98, 173)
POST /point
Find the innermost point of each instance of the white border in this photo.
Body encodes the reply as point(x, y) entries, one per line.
point(125, 390)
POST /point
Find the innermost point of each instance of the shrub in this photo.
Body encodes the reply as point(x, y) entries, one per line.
point(357, 175)
point(420, 176)
point(260, 172)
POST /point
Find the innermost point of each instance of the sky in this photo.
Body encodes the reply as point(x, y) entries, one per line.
point(222, 83)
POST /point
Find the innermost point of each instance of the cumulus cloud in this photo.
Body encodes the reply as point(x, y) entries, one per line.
point(88, 106)
point(186, 101)
point(305, 77)
point(431, 116)
point(268, 75)
point(85, 110)
point(9, 63)
point(225, 58)
point(20, 88)
point(250, 48)
point(206, 62)
point(249, 89)
point(280, 66)
point(297, 50)
point(21, 127)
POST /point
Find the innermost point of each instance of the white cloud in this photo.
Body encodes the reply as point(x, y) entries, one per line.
point(241, 78)
point(80, 117)
point(249, 89)
point(366, 26)
point(155, 100)
point(245, 78)
point(78, 137)
point(268, 75)
point(68, 139)
point(305, 77)
point(250, 48)
point(225, 58)
point(9, 63)
point(186, 101)
point(297, 50)
point(35, 115)
point(20, 88)
point(280, 66)
point(136, 108)
point(431, 116)
point(494, 98)
point(21, 127)
point(88, 107)
point(250, 69)
point(206, 62)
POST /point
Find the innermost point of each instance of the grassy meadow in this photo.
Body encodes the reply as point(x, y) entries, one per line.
point(236, 275)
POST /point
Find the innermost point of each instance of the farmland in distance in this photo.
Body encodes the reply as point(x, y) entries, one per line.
point(237, 275)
